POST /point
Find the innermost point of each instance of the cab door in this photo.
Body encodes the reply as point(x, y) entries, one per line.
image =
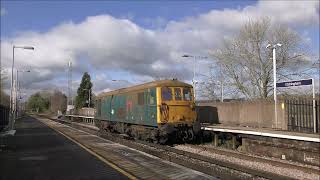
point(165, 97)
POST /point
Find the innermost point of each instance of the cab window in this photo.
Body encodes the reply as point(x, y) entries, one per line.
point(177, 94)
point(186, 94)
point(166, 94)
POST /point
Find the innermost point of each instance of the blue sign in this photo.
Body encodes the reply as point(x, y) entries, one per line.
point(295, 83)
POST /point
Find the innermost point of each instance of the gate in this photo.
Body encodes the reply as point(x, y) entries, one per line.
point(300, 115)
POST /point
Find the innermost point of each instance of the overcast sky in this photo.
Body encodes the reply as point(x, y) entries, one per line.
point(131, 42)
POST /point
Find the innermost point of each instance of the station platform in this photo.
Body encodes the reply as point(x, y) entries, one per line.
point(273, 133)
point(45, 149)
point(38, 152)
point(138, 164)
point(294, 146)
point(79, 116)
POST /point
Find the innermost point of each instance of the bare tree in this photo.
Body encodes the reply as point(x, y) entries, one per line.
point(58, 101)
point(247, 64)
point(214, 86)
point(210, 85)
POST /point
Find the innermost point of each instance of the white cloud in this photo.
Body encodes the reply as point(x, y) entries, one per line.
point(293, 12)
point(206, 30)
point(108, 43)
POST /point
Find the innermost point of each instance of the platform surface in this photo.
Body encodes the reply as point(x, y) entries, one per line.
point(312, 137)
point(139, 164)
point(39, 153)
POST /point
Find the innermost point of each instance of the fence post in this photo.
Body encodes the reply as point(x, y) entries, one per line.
point(317, 116)
point(314, 108)
point(314, 116)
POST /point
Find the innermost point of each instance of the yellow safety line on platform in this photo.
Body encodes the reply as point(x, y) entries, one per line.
point(97, 155)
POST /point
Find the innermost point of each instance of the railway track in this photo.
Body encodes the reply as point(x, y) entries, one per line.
point(210, 166)
point(277, 163)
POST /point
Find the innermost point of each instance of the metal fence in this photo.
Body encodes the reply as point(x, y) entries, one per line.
point(301, 115)
point(4, 117)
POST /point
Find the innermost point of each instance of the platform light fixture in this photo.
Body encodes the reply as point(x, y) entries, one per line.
point(11, 90)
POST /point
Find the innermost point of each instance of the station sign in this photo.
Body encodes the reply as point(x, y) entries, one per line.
point(303, 82)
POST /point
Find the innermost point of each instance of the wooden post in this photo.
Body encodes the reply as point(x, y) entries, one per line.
point(234, 140)
point(215, 140)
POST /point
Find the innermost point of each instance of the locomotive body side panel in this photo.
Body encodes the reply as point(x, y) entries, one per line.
point(152, 113)
point(133, 108)
point(105, 108)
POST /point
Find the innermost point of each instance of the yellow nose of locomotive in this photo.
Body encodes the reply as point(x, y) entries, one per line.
point(176, 106)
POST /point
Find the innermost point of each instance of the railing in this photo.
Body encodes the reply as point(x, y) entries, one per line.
point(83, 115)
point(301, 115)
point(4, 117)
point(90, 112)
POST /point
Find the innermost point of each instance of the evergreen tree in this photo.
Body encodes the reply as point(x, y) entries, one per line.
point(82, 99)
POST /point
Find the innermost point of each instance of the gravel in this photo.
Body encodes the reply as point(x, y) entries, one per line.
point(296, 174)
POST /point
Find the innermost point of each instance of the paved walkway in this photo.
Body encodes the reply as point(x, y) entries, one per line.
point(39, 153)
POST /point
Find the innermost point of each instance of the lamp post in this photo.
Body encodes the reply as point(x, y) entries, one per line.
point(274, 46)
point(194, 70)
point(11, 90)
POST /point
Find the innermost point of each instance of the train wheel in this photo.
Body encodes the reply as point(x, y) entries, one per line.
point(154, 136)
point(128, 132)
point(163, 139)
point(190, 135)
point(155, 141)
point(184, 136)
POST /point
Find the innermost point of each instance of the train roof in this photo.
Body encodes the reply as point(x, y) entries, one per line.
point(160, 83)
